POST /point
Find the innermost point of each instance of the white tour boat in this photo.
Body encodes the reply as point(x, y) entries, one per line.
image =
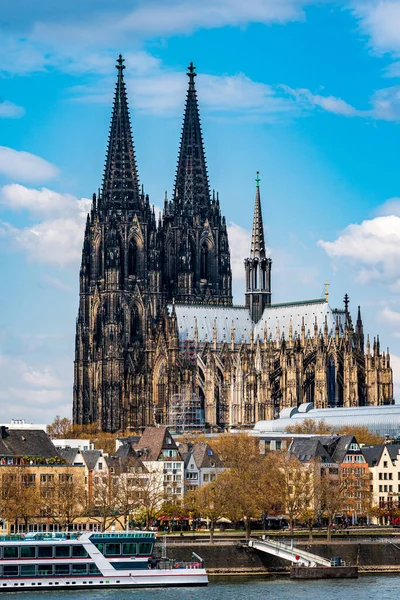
point(71, 561)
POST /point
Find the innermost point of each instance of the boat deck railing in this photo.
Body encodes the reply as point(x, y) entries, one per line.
point(124, 534)
point(177, 564)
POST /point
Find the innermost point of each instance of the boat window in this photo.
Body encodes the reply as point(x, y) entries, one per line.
point(10, 551)
point(128, 549)
point(113, 549)
point(93, 570)
point(79, 551)
point(62, 569)
point(145, 547)
point(27, 551)
point(10, 571)
point(45, 551)
point(79, 568)
point(100, 547)
point(45, 569)
point(62, 551)
point(27, 570)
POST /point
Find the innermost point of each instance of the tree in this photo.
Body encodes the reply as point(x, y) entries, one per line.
point(19, 499)
point(105, 504)
point(250, 479)
point(333, 491)
point(211, 502)
point(63, 499)
point(150, 491)
point(311, 427)
point(363, 435)
point(60, 428)
point(296, 488)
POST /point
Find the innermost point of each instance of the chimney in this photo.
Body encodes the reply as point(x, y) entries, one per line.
point(4, 432)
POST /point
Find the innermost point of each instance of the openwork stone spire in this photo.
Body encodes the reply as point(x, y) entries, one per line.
point(192, 191)
point(257, 236)
point(120, 182)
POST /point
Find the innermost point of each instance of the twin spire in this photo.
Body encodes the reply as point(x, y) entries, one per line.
point(121, 181)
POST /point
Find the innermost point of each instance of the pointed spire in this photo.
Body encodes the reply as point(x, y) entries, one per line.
point(257, 236)
point(191, 183)
point(121, 182)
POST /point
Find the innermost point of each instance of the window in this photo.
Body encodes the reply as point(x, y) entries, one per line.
point(390, 488)
point(93, 570)
point(10, 552)
point(100, 466)
point(27, 570)
point(113, 549)
point(129, 549)
point(390, 476)
point(145, 548)
point(49, 479)
point(79, 568)
point(10, 571)
point(380, 475)
point(62, 569)
point(385, 476)
point(62, 551)
point(79, 551)
point(385, 488)
point(385, 464)
point(45, 569)
point(380, 488)
point(205, 477)
point(27, 551)
point(45, 551)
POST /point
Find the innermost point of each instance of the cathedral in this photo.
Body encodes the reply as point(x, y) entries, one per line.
point(156, 319)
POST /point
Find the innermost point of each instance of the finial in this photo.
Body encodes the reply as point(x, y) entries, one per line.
point(346, 303)
point(120, 64)
point(327, 284)
point(191, 74)
point(258, 179)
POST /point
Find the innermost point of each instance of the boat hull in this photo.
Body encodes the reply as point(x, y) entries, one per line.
point(152, 578)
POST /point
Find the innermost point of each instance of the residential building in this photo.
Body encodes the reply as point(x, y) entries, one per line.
point(384, 468)
point(202, 465)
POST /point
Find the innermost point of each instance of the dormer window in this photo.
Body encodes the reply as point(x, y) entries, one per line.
point(169, 441)
point(100, 466)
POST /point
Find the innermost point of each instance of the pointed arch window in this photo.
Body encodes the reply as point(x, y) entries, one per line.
point(132, 258)
point(204, 258)
point(332, 400)
point(135, 324)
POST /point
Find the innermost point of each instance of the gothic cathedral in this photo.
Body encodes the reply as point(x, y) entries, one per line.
point(156, 318)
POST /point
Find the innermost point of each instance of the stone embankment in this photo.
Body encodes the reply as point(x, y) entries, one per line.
point(236, 558)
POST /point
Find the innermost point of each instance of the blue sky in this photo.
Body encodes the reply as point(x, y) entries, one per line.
point(308, 93)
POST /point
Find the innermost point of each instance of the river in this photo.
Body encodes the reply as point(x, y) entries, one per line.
point(385, 587)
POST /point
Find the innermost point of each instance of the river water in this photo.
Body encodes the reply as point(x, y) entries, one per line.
point(384, 587)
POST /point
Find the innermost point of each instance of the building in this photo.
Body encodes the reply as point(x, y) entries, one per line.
point(384, 468)
point(202, 465)
point(156, 318)
point(164, 464)
point(383, 420)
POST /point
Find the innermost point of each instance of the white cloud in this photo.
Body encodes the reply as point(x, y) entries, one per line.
point(32, 393)
point(372, 246)
point(41, 379)
point(56, 283)
point(389, 315)
point(57, 238)
point(381, 22)
point(23, 166)
point(10, 110)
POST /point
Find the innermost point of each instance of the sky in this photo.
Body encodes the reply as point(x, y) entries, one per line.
point(306, 92)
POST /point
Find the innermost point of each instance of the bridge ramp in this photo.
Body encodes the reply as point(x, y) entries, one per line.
point(294, 555)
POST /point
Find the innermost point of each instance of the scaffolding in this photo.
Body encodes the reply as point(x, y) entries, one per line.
point(185, 412)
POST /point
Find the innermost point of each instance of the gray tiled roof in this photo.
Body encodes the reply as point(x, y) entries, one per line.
point(205, 317)
point(27, 442)
point(307, 449)
point(153, 441)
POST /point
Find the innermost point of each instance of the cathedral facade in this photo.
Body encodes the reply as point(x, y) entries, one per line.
point(156, 318)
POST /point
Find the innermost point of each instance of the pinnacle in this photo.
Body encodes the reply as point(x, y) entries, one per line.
point(120, 181)
point(257, 236)
point(191, 183)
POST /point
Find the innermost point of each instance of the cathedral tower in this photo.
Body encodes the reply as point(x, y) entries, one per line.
point(196, 259)
point(258, 267)
point(120, 286)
